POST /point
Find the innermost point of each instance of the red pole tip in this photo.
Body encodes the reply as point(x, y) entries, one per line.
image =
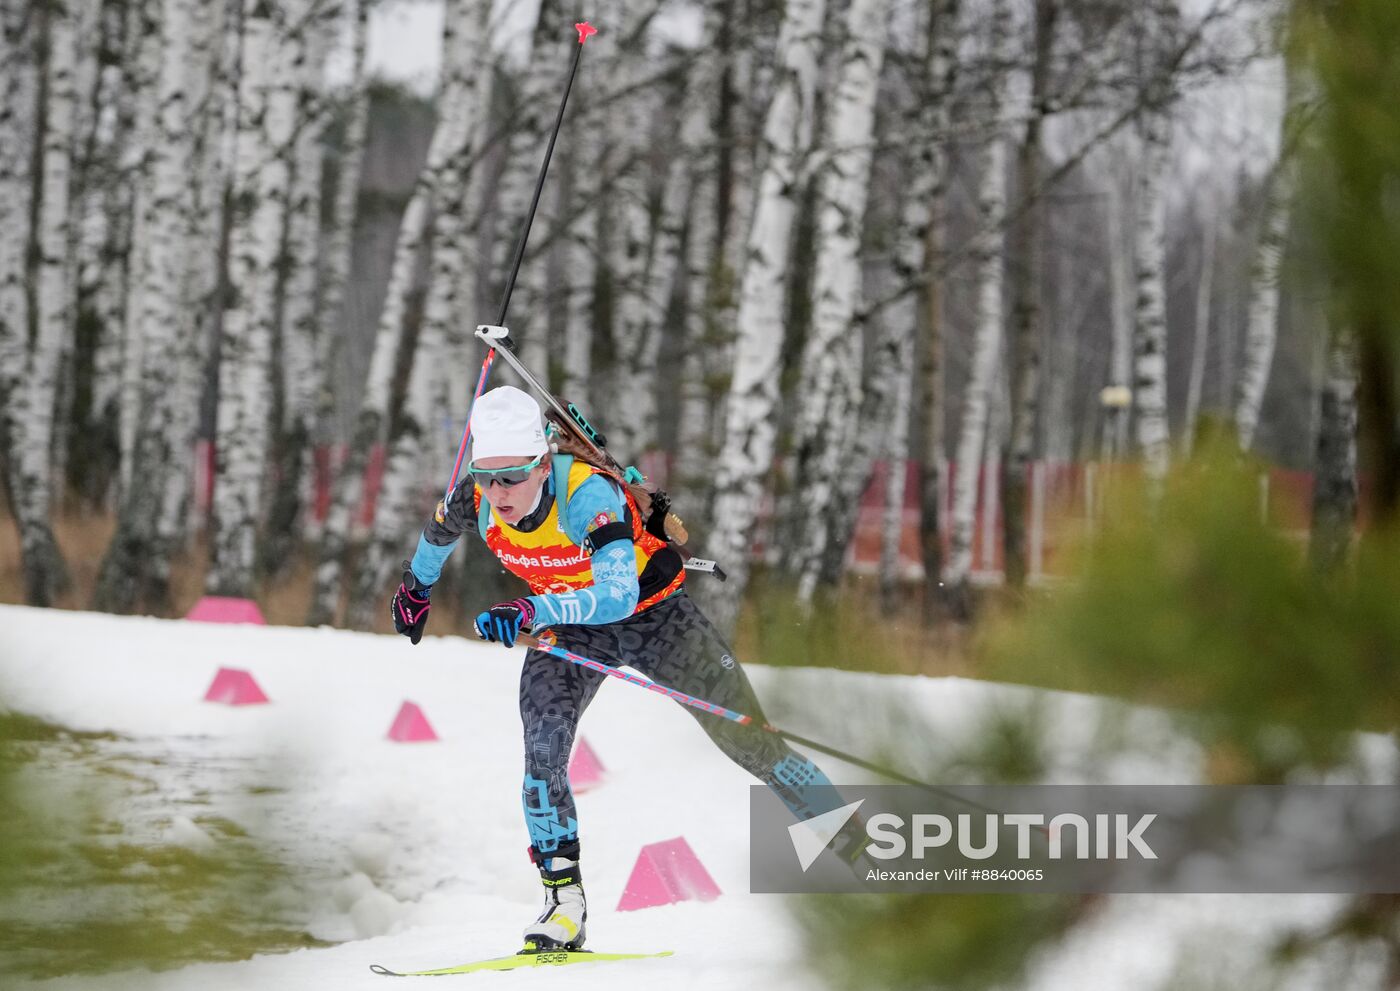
point(585, 31)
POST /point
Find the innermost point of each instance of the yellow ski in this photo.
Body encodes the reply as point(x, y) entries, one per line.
point(525, 958)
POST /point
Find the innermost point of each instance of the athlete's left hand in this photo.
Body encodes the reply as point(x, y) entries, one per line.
point(504, 621)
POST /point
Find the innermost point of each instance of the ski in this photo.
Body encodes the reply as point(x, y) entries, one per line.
point(543, 958)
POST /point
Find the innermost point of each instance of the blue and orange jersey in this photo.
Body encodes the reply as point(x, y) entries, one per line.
point(552, 548)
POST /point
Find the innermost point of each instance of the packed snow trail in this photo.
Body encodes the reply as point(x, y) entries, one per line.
point(419, 849)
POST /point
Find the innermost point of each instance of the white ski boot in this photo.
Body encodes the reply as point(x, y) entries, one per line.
point(561, 924)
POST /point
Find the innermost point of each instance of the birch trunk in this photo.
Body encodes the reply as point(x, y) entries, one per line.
point(871, 437)
point(338, 236)
point(1334, 468)
point(1205, 285)
point(214, 117)
point(1150, 310)
point(399, 508)
point(739, 140)
point(101, 215)
point(896, 451)
point(261, 177)
point(1120, 248)
point(551, 42)
point(175, 300)
point(982, 378)
point(305, 52)
point(921, 238)
point(581, 250)
point(146, 59)
point(710, 144)
point(1026, 312)
point(1261, 326)
point(34, 401)
point(750, 421)
point(372, 418)
point(1150, 244)
point(698, 437)
point(636, 337)
point(18, 132)
point(834, 352)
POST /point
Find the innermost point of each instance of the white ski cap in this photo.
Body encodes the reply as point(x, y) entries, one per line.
point(507, 422)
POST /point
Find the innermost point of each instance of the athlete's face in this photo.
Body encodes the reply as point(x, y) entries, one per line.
point(512, 502)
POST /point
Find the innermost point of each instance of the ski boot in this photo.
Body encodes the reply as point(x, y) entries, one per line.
point(561, 923)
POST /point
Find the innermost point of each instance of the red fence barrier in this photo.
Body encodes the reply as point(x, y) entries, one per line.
point(1062, 502)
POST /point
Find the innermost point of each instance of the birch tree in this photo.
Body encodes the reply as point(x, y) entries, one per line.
point(18, 131)
point(833, 356)
point(32, 401)
point(581, 250)
point(1026, 313)
point(716, 149)
point(550, 41)
point(138, 118)
point(339, 231)
point(1261, 327)
point(1205, 284)
point(102, 216)
point(1334, 466)
point(1150, 238)
point(372, 417)
point(636, 329)
point(261, 180)
point(371, 420)
point(175, 302)
point(750, 426)
point(298, 269)
point(399, 506)
point(918, 257)
point(874, 433)
point(987, 254)
point(1120, 247)
point(896, 453)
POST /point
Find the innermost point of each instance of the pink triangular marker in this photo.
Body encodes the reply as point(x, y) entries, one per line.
point(667, 872)
point(411, 726)
point(232, 686)
point(221, 609)
point(585, 769)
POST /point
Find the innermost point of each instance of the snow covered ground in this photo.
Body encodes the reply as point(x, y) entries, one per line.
point(420, 849)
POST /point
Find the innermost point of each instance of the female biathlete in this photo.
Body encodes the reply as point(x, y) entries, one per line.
point(607, 589)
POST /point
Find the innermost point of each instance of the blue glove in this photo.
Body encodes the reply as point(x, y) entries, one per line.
point(409, 606)
point(502, 622)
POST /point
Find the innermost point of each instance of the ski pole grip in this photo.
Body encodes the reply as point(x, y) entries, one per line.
point(494, 336)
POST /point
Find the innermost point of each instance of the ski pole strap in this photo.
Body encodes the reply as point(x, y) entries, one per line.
point(546, 643)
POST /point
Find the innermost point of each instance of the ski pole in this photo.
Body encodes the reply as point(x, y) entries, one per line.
point(585, 31)
point(467, 428)
point(548, 646)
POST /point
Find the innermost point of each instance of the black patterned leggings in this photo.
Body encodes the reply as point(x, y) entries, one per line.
point(673, 644)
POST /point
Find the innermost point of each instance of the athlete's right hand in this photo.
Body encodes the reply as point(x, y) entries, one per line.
point(410, 605)
point(503, 621)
